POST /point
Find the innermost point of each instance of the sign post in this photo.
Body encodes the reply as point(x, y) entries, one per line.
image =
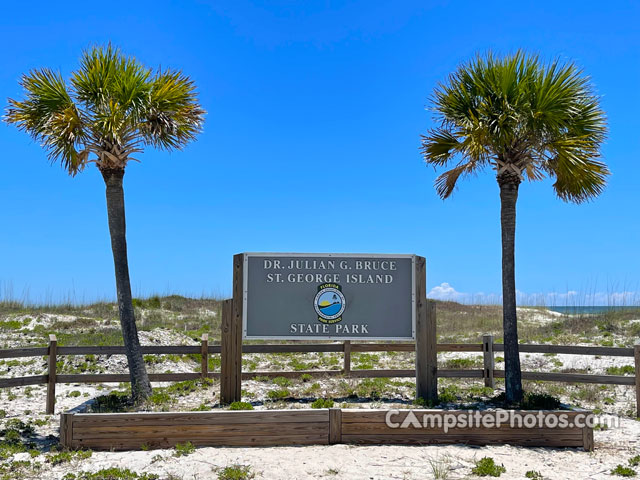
point(231, 338)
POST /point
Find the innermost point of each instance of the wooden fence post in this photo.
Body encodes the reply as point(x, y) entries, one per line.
point(587, 436)
point(489, 361)
point(347, 357)
point(335, 426)
point(231, 351)
point(426, 353)
point(66, 430)
point(636, 354)
point(51, 378)
point(230, 356)
point(204, 352)
point(236, 322)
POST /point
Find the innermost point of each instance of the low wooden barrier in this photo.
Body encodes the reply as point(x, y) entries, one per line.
point(135, 431)
point(487, 348)
point(370, 427)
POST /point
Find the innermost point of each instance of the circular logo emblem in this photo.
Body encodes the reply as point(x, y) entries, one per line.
point(329, 303)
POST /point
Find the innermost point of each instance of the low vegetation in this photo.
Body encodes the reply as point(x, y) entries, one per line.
point(184, 449)
point(236, 472)
point(487, 467)
point(322, 403)
point(534, 475)
point(240, 406)
point(621, 370)
point(113, 473)
point(67, 456)
point(623, 471)
point(440, 467)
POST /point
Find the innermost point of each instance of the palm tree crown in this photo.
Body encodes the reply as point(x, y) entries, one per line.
point(521, 117)
point(112, 108)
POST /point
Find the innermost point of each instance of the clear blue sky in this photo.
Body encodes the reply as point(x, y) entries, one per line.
point(315, 112)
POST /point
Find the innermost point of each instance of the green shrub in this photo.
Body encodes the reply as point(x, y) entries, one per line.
point(322, 403)
point(11, 325)
point(533, 401)
point(118, 401)
point(313, 389)
point(184, 449)
point(236, 472)
point(167, 395)
point(374, 388)
point(74, 394)
point(365, 361)
point(305, 377)
point(486, 467)
point(457, 363)
point(240, 406)
point(214, 363)
point(448, 394)
point(298, 365)
point(12, 437)
point(151, 359)
point(282, 382)
point(623, 370)
point(17, 437)
point(159, 397)
point(423, 402)
point(539, 401)
point(113, 473)
point(279, 394)
point(67, 456)
point(635, 461)
point(623, 471)
point(534, 475)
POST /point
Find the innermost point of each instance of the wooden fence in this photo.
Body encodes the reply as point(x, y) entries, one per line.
point(135, 431)
point(487, 348)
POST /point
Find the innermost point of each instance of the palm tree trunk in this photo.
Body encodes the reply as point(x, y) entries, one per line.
point(509, 184)
point(140, 386)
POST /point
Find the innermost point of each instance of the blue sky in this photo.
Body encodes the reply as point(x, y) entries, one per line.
point(315, 110)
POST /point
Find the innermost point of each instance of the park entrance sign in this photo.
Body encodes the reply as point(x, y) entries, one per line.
point(328, 296)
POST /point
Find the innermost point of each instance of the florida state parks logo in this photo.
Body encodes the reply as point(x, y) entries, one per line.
point(329, 303)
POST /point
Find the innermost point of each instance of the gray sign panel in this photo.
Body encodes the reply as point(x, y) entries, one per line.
point(328, 296)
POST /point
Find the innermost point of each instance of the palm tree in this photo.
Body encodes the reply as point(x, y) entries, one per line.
point(112, 107)
point(522, 118)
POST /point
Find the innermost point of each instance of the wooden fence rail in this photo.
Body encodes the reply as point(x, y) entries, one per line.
point(487, 348)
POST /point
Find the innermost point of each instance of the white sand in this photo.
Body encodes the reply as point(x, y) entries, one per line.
point(378, 462)
point(612, 447)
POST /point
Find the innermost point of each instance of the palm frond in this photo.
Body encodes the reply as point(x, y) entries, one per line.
point(446, 183)
point(579, 177)
point(439, 146)
point(50, 116)
point(174, 116)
